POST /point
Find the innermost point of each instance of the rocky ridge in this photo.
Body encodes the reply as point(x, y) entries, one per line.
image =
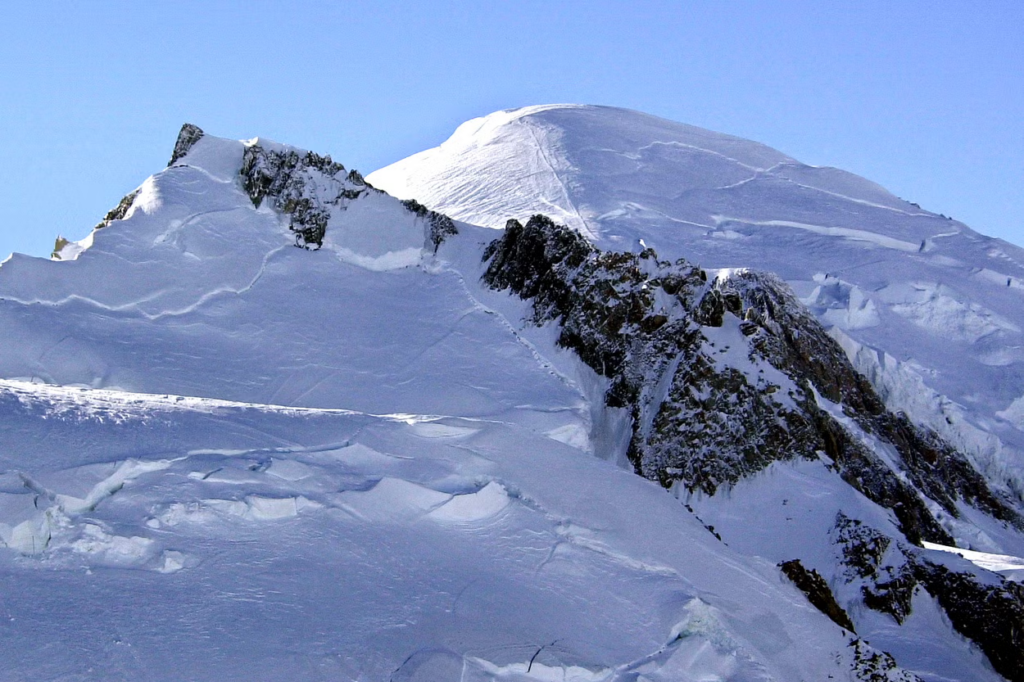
point(309, 188)
point(724, 374)
point(290, 180)
point(983, 607)
point(927, 308)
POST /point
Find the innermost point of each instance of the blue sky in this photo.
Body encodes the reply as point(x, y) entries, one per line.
point(926, 98)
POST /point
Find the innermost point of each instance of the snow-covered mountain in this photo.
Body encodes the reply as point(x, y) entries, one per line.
point(931, 311)
point(408, 450)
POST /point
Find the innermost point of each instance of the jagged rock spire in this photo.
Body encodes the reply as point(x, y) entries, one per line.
point(187, 136)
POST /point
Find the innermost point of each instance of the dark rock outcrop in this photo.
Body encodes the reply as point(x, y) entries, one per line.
point(119, 211)
point(187, 137)
point(723, 375)
point(879, 563)
point(990, 615)
point(982, 606)
point(310, 188)
point(799, 346)
point(287, 179)
point(871, 665)
point(441, 226)
point(58, 246)
point(818, 592)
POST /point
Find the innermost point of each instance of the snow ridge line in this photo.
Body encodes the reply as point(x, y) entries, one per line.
point(541, 360)
point(770, 172)
point(134, 305)
point(865, 202)
point(674, 143)
point(844, 232)
point(630, 204)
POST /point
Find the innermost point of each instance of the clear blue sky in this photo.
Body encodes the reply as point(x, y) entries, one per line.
point(926, 98)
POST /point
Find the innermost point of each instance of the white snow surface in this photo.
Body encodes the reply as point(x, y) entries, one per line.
point(930, 310)
point(228, 458)
point(1012, 566)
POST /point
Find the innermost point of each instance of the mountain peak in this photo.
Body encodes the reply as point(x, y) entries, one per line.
point(917, 299)
point(618, 123)
point(581, 164)
point(225, 420)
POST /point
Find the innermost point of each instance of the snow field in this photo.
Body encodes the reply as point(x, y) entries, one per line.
point(374, 545)
point(357, 463)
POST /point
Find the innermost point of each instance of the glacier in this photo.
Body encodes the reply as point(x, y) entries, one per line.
point(928, 308)
point(228, 457)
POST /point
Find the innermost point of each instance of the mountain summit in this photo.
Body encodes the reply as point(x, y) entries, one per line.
point(268, 421)
point(928, 309)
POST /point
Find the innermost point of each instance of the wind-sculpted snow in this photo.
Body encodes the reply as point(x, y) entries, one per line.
point(924, 299)
point(196, 291)
point(272, 542)
point(277, 494)
point(355, 460)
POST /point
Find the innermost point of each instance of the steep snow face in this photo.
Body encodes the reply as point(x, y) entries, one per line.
point(927, 308)
point(347, 461)
point(196, 291)
point(567, 159)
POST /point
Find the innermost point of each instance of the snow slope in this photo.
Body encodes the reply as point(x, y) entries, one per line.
point(225, 457)
point(161, 537)
point(211, 298)
point(928, 309)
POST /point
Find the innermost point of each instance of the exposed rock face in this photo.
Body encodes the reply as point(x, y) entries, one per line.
point(817, 590)
point(305, 187)
point(725, 375)
point(983, 607)
point(441, 226)
point(991, 615)
point(187, 137)
point(722, 375)
point(310, 188)
point(58, 246)
point(119, 211)
point(489, 171)
point(792, 340)
point(879, 564)
point(871, 665)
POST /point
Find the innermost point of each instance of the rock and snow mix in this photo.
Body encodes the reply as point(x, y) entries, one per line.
point(930, 310)
point(227, 457)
